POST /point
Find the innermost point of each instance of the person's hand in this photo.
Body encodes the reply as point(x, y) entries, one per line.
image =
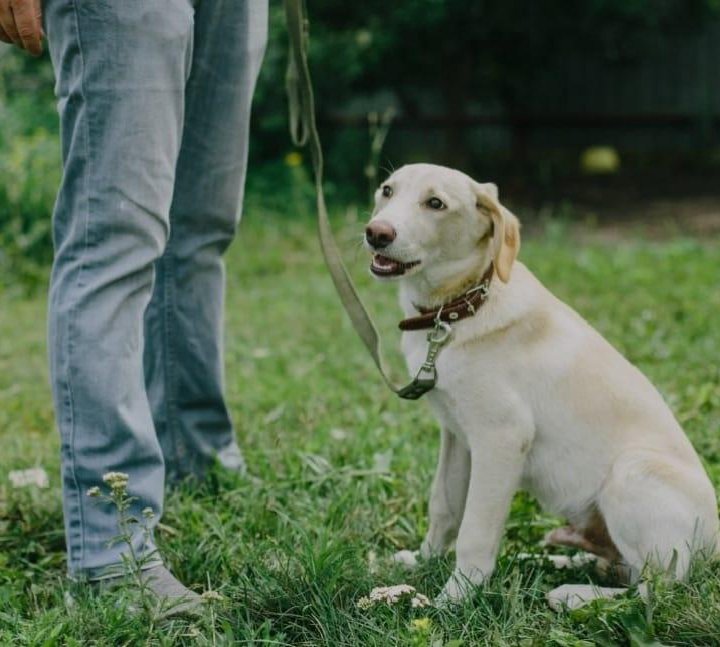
point(21, 23)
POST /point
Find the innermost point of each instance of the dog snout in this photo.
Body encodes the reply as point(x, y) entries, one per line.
point(379, 234)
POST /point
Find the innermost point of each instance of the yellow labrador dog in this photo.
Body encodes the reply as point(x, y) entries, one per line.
point(528, 394)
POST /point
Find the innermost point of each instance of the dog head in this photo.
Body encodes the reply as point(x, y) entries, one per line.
point(438, 230)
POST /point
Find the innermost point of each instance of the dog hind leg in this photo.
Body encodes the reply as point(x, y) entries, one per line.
point(659, 513)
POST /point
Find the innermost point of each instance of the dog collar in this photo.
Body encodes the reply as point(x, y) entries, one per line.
point(464, 306)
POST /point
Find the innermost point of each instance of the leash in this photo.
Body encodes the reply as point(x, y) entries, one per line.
point(304, 132)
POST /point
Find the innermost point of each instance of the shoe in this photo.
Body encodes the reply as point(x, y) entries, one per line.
point(174, 597)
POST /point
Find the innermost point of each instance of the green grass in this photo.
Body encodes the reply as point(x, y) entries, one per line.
point(290, 548)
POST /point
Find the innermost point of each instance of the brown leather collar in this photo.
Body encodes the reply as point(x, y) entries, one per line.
point(464, 306)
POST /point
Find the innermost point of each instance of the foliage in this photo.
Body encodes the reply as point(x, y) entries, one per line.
point(29, 165)
point(448, 51)
point(424, 57)
point(446, 57)
point(341, 468)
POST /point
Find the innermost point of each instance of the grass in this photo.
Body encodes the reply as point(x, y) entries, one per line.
point(342, 468)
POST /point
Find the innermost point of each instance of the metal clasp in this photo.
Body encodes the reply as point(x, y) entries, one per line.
point(426, 377)
point(437, 338)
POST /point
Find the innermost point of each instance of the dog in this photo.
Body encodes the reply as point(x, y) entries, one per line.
point(528, 395)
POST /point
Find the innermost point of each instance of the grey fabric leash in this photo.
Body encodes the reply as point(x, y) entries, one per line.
point(303, 131)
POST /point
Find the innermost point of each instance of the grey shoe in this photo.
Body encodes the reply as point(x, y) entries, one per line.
point(174, 597)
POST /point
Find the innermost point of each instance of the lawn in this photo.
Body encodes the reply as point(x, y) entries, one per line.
point(341, 468)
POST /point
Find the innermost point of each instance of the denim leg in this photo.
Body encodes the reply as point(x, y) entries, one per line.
point(184, 323)
point(121, 67)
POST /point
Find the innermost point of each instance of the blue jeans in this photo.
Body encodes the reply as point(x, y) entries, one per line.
point(154, 101)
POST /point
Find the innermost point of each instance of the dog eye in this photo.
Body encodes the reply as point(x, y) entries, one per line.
point(435, 203)
point(386, 191)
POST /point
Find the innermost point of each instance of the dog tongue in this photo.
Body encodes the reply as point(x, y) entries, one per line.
point(387, 266)
point(384, 261)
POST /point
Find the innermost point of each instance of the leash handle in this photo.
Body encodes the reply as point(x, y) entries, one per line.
point(303, 130)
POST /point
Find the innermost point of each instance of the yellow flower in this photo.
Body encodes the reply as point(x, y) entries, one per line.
point(421, 624)
point(293, 159)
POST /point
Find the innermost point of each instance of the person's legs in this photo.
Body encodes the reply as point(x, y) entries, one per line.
point(184, 323)
point(121, 70)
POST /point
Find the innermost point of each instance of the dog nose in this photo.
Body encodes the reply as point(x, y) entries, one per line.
point(379, 234)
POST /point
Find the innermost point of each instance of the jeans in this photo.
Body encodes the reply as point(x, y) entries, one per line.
point(154, 101)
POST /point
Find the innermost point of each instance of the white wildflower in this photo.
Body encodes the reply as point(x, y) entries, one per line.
point(94, 491)
point(364, 602)
point(391, 595)
point(115, 478)
point(419, 601)
point(117, 481)
point(35, 476)
point(338, 434)
point(212, 596)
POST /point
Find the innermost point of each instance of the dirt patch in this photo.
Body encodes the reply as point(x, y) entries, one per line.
point(659, 200)
point(656, 219)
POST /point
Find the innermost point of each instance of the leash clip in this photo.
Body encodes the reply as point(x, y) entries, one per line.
point(426, 377)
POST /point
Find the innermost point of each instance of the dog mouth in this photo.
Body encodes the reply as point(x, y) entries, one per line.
point(386, 266)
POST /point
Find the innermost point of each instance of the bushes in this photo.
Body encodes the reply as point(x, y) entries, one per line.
point(29, 166)
point(30, 172)
point(366, 58)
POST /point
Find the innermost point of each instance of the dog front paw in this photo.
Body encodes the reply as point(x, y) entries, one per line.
point(458, 588)
point(407, 558)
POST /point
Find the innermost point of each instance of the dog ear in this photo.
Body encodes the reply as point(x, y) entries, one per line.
point(491, 189)
point(506, 229)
